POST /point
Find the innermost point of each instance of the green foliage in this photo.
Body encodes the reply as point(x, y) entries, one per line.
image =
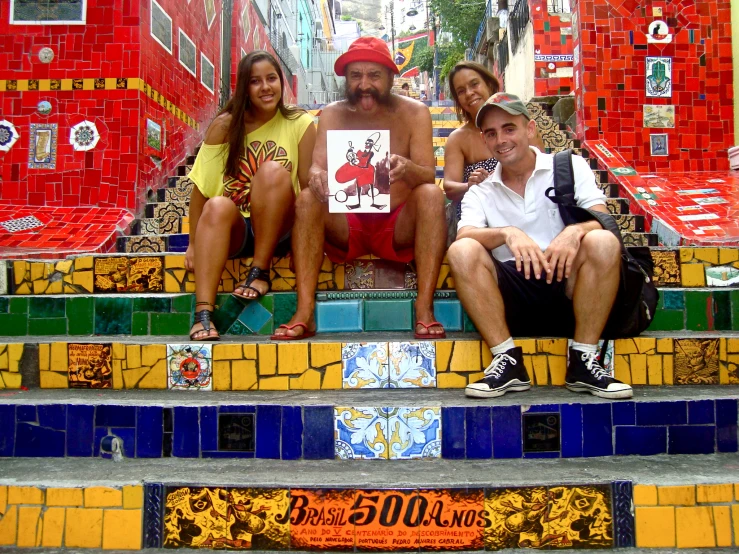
point(449, 55)
point(425, 57)
point(461, 18)
point(346, 17)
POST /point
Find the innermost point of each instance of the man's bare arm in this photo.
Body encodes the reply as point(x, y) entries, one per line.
point(420, 166)
point(317, 175)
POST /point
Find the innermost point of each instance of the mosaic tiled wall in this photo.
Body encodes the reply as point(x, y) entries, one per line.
point(552, 50)
point(10, 357)
point(92, 517)
point(655, 81)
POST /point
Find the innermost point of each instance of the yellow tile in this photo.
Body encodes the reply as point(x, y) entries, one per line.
point(15, 353)
point(222, 375)
point(55, 287)
point(693, 275)
point(131, 377)
point(119, 351)
point(709, 255)
point(152, 353)
point(64, 497)
point(487, 355)
point(722, 519)
point(4, 360)
point(59, 357)
point(133, 356)
point(732, 345)
point(654, 369)
point(645, 345)
point(667, 370)
point(133, 496)
point(683, 495)
point(715, 493)
point(638, 369)
point(645, 495)
point(735, 521)
point(53, 528)
point(83, 262)
point(44, 85)
point(292, 358)
point(655, 527)
point(274, 383)
point(452, 380)
point(8, 527)
point(727, 255)
point(53, 380)
point(466, 356)
point(695, 527)
point(324, 353)
point(156, 378)
point(244, 375)
point(621, 368)
point(20, 271)
point(122, 530)
point(170, 283)
point(3, 498)
point(28, 526)
point(118, 381)
point(310, 380)
point(83, 528)
point(624, 346)
point(528, 346)
point(250, 351)
point(83, 279)
point(12, 380)
point(25, 495)
point(557, 347)
point(540, 367)
point(557, 369)
point(38, 271)
point(736, 493)
point(227, 352)
point(267, 359)
point(686, 254)
point(43, 356)
point(103, 497)
point(64, 266)
point(23, 289)
point(332, 378)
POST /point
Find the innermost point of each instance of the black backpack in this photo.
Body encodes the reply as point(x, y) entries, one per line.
point(636, 302)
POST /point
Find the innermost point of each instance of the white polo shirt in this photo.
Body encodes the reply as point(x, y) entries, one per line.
point(492, 204)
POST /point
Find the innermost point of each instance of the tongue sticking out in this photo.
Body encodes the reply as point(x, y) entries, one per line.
point(367, 102)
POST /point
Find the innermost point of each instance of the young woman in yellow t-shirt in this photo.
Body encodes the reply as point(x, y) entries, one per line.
point(255, 156)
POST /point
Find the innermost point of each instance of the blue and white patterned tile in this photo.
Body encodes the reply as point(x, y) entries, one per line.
point(360, 433)
point(414, 432)
point(190, 366)
point(364, 365)
point(412, 365)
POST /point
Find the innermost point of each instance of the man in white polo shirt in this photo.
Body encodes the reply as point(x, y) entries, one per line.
point(519, 270)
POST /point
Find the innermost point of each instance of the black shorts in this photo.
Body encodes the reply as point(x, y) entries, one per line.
point(246, 250)
point(534, 308)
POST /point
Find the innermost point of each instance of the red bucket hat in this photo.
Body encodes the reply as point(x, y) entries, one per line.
point(365, 49)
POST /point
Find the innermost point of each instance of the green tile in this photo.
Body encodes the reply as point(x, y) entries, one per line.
point(239, 329)
point(170, 324)
point(546, 25)
point(285, 304)
point(81, 315)
point(268, 302)
point(388, 315)
point(672, 300)
point(267, 329)
point(48, 326)
point(152, 304)
point(668, 320)
point(696, 303)
point(4, 305)
point(140, 324)
point(735, 310)
point(229, 309)
point(722, 310)
point(183, 303)
point(44, 306)
point(113, 315)
point(13, 325)
point(469, 327)
point(19, 305)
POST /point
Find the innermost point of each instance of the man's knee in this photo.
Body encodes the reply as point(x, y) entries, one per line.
point(601, 248)
point(465, 254)
point(428, 196)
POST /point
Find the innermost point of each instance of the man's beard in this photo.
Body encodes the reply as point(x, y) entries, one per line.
point(353, 96)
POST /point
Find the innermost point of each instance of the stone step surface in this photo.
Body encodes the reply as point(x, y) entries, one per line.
point(669, 502)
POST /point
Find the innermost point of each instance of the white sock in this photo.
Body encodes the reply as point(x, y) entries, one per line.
point(503, 346)
point(582, 347)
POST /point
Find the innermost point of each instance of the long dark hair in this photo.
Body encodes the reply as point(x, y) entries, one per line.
point(239, 104)
point(490, 80)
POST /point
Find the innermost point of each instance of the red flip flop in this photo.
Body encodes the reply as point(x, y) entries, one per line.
point(429, 336)
point(306, 333)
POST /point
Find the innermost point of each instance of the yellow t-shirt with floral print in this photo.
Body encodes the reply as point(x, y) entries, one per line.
point(277, 140)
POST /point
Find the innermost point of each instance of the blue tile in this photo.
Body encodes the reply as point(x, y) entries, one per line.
point(209, 428)
point(624, 413)
point(7, 430)
point(254, 316)
point(186, 436)
point(571, 430)
point(38, 442)
point(292, 432)
point(673, 299)
point(726, 420)
point(701, 412)
point(26, 413)
point(269, 420)
point(178, 242)
point(452, 433)
point(80, 430)
point(641, 441)
point(237, 410)
point(149, 431)
point(228, 455)
point(689, 439)
point(479, 440)
point(53, 416)
point(597, 439)
point(100, 433)
point(543, 409)
point(115, 416)
point(338, 316)
point(449, 314)
point(507, 440)
point(128, 440)
point(662, 413)
point(318, 432)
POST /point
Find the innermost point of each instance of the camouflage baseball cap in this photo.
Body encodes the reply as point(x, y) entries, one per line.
point(506, 102)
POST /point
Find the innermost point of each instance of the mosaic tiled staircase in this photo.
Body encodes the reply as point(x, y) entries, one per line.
point(268, 445)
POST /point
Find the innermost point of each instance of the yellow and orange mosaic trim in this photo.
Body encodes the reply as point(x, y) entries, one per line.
point(92, 517)
point(10, 358)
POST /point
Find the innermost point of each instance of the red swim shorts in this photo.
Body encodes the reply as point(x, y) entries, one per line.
point(370, 234)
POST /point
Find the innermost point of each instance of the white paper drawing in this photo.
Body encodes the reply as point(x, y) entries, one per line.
point(358, 171)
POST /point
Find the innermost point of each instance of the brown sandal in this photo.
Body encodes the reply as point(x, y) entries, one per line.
point(255, 274)
point(203, 317)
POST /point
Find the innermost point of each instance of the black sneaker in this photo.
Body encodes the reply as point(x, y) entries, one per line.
point(505, 373)
point(585, 374)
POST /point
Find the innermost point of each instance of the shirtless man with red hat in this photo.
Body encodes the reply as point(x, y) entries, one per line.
point(415, 228)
